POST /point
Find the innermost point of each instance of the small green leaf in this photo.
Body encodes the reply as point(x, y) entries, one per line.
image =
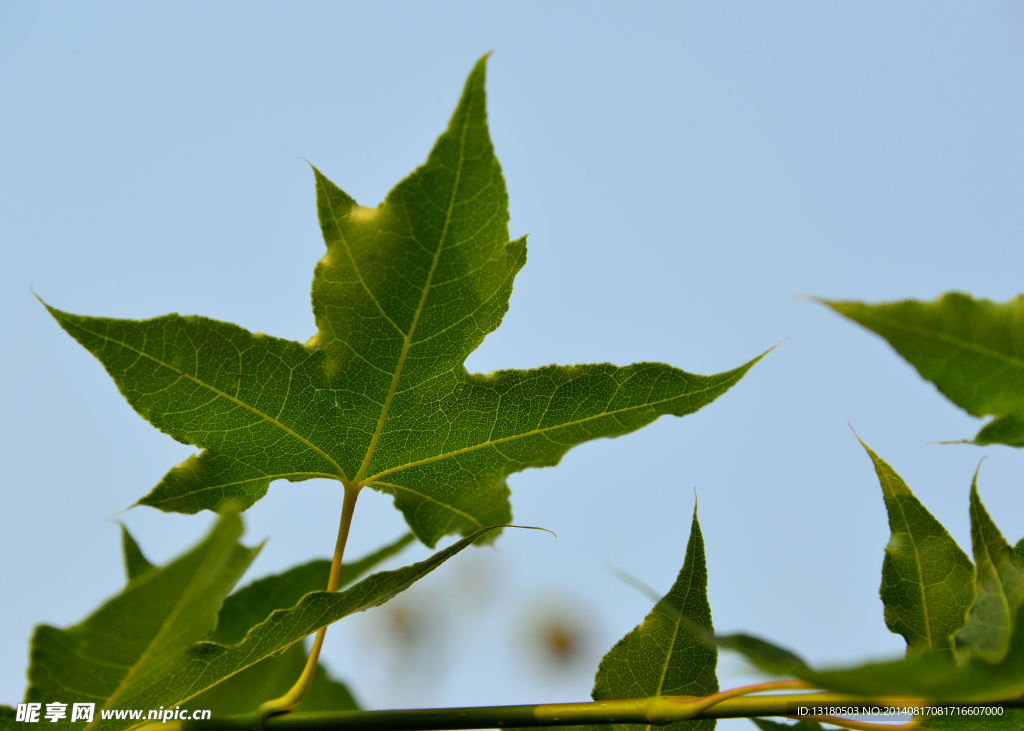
point(132, 642)
point(667, 654)
point(922, 676)
point(135, 563)
point(979, 676)
point(1019, 549)
point(252, 604)
point(763, 654)
point(999, 587)
point(271, 678)
point(209, 663)
point(927, 581)
point(1007, 430)
point(379, 396)
point(970, 349)
point(162, 616)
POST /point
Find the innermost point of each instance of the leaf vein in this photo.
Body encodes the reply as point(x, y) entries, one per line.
point(952, 340)
point(452, 508)
point(355, 268)
point(419, 307)
point(229, 397)
point(534, 432)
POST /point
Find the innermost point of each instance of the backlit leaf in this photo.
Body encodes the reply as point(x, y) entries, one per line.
point(666, 655)
point(927, 581)
point(978, 677)
point(209, 663)
point(252, 604)
point(271, 678)
point(972, 350)
point(144, 649)
point(379, 396)
point(128, 646)
point(135, 563)
point(999, 587)
point(672, 652)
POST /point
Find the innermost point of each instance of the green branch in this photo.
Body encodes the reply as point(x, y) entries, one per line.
point(654, 711)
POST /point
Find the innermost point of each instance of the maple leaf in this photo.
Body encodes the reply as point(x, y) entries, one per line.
point(927, 581)
point(665, 655)
point(380, 397)
point(989, 649)
point(969, 348)
point(171, 634)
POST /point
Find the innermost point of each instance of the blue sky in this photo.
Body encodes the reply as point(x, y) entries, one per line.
point(687, 174)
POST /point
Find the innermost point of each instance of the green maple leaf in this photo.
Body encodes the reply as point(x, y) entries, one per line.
point(171, 637)
point(135, 639)
point(667, 655)
point(670, 653)
point(927, 581)
point(379, 397)
point(972, 350)
point(273, 676)
point(999, 587)
point(990, 665)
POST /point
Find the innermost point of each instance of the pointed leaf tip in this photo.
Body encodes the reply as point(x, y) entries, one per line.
point(135, 562)
point(170, 608)
point(999, 586)
point(968, 348)
point(927, 581)
point(667, 654)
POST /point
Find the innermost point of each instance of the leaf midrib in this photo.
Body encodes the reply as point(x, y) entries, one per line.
point(179, 606)
point(948, 339)
point(355, 268)
point(675, 636)
point(407, 343)
point(252, 409)
point(393, 486)
point(533, 432)
point(917, 563)
point(367, 603)
point(1004, 599)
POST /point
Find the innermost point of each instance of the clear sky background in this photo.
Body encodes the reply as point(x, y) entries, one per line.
point(686, 171)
